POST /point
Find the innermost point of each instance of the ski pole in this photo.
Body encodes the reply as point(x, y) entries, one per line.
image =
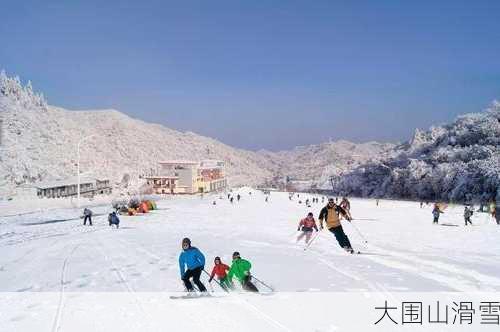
point(272, 290)
point(218, 283)
point(195, 288)
point(360, 234)
point(310, 242)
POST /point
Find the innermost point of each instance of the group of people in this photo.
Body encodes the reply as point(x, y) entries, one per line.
point(331, 215)
point(231, 198)
point(112, 218)
point(468, 213)
point(192, 264)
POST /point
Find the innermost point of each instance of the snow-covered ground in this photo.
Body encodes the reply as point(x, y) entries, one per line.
point(56, 274)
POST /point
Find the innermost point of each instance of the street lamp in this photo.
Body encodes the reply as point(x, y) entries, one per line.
point(78, 168)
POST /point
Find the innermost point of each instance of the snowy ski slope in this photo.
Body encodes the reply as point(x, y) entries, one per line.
point(58, 275)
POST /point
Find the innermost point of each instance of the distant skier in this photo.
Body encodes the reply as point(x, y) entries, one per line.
point(220, 270)
point(240, 268)
point(435, 213)
point(377, 201)
point(193, 259)
point(228, 196)
point(214, 203)
point(87, 215)
point(331, 214)
point(495, 214)
point(267, 199)
point(346, 205)
point(113, 219)
point(421, 204)
point(231, 199)
point(468, 212)
point(238, 197)
point(307, 225)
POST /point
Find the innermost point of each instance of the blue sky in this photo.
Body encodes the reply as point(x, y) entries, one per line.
point(262, 74)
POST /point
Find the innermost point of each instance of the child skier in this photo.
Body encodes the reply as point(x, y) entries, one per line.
point(195, 262)
point(220, 270)
point(113, 219)
point(240, 268)
point(331, 214)
point(306, 225)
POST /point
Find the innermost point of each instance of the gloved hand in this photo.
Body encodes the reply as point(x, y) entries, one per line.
point(210, 280)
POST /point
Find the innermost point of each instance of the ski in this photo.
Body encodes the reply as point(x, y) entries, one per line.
point(188, 296)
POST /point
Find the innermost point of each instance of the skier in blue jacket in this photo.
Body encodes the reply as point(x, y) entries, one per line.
point(193, 259)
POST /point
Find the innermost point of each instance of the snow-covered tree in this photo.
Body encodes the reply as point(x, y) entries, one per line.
point(12, 88)
point(456, 162)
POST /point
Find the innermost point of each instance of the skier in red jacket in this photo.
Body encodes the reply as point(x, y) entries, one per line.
point(220, 270)
point(307, 225)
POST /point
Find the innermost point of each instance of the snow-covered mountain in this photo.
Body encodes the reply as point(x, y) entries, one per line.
point(319, 162)
point(459, 161)
point(39, 142)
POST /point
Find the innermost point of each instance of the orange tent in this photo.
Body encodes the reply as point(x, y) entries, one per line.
point(143, 207)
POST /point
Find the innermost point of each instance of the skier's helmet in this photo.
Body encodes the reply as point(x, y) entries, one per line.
point(236, 255)
point(186, 242)
point(217, 259)
point(310, 214)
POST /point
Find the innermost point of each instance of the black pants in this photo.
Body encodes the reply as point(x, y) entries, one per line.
point(89, 219)
point(248, 285)
point(467, 220)
point(436, 220)
point(342, 239)
point(195, 274)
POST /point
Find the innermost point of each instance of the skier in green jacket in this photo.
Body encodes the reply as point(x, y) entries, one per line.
point(240, 268)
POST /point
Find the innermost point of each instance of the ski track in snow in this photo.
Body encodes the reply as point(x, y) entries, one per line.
point(60, 306)
point(464, 280)
point(127, 286)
